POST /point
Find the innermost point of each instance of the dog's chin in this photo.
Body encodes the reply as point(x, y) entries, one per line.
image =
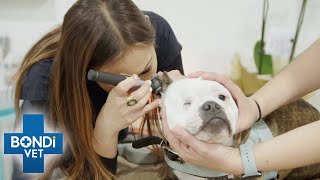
point(221, 138)
point(215, 131)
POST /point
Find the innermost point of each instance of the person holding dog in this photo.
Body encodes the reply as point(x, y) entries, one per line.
point(293, 149)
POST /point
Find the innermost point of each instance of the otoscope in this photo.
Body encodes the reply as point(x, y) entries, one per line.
point(115, 79)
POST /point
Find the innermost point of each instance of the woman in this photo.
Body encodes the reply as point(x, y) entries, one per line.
point(293, 149)
point(110, 36)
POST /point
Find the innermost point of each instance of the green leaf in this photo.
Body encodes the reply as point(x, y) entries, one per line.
point(267, 67)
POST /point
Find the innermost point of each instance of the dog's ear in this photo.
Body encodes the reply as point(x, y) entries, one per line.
point(166, 81)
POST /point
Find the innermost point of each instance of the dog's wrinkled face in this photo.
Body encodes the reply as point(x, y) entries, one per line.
point(204, 108)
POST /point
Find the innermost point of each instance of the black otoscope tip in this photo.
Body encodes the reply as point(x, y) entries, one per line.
point(156, 85)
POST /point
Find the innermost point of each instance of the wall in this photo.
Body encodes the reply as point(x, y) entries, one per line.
point(211, 31)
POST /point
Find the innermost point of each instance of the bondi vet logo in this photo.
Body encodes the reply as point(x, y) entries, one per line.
point(33, 143)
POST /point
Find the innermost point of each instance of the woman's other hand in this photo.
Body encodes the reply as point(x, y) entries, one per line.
point(174, 75)
point(248, 110)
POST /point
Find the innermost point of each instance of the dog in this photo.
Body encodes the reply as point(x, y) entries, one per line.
point(207, 110)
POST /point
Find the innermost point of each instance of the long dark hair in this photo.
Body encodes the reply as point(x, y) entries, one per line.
point(93, 33)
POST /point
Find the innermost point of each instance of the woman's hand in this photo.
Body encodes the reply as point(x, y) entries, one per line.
point(174, 75)
point(217, 157)
point(248, 110)
point(116, 115)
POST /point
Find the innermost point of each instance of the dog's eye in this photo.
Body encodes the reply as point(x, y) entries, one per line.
point(222, 97)
point(188, 103)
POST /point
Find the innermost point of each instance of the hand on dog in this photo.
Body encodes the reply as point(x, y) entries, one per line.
point(248, 111)
point(174, 75)
point(190, 149)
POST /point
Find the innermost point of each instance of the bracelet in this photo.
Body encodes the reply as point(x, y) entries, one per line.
point(258, 109)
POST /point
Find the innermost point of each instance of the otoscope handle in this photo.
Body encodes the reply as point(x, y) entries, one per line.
point(115, 79)
point(105, 77)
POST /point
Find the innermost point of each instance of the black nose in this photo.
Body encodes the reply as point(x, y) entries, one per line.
point(210, 106)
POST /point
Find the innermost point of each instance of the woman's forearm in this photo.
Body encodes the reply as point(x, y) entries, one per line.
point(105, 143)
point(296, 80)
point(293, 149)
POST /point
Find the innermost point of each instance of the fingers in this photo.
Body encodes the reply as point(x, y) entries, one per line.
point(210, 76)
point(151, 106)
point(196, 74)
point(166, 131)
point(174, 75)
point(123, 87)
point(142, 102)
point(142, 95)
point(189, 140)
point(173, 141)
point(144, 90)
point(146, 108)
point(225, 81)
point(168, 135)
point(160, 75)
point(185, 152)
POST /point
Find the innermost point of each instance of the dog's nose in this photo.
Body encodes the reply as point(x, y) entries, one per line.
point(211, 106)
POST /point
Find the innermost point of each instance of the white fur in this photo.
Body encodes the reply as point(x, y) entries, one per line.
point(197, 92)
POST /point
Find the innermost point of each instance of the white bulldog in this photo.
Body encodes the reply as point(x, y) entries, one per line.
point(207, 110)
point(204, 108)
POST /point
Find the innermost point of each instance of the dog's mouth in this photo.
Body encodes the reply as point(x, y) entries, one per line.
point(215, 125)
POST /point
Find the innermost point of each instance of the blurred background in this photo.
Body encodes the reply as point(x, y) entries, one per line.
point(216, 35)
